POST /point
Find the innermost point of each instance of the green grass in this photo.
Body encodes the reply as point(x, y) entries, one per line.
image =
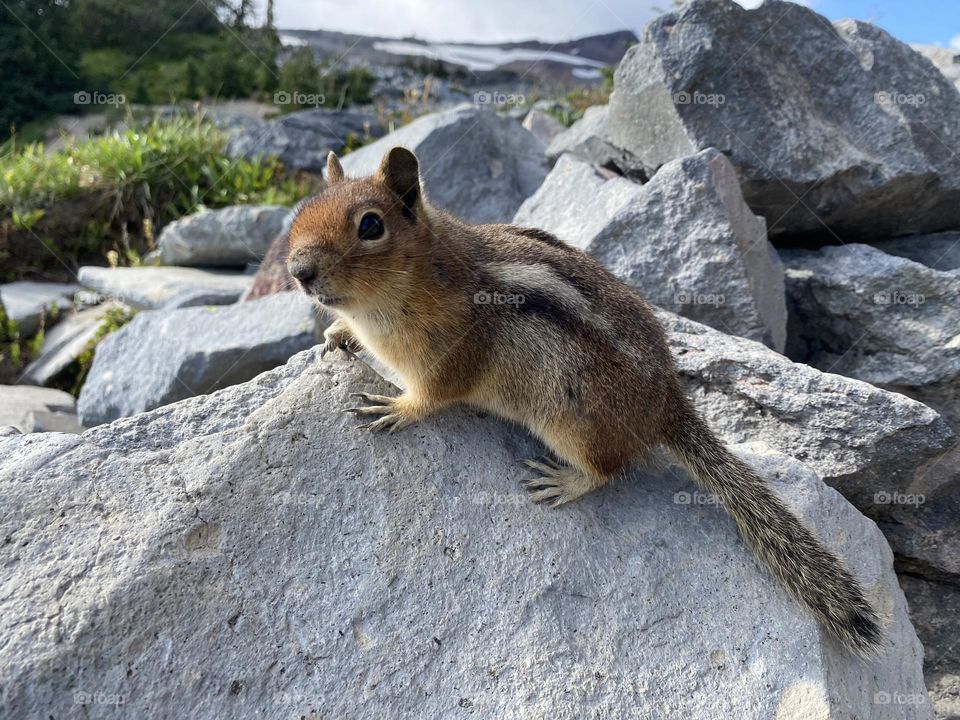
point(16, 349)
point(111, 194)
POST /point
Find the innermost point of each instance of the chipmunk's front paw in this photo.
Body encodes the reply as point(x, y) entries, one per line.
point(395, 415)
point(338, 337)
point(559, 485)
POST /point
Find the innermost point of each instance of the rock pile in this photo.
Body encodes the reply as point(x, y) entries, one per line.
point(265, 555)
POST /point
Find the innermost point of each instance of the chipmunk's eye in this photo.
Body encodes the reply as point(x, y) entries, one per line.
point(370, 227)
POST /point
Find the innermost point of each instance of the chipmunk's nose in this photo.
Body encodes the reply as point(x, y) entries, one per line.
point(302, 269)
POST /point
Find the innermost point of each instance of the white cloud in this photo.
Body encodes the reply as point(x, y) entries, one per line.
point(955, 42)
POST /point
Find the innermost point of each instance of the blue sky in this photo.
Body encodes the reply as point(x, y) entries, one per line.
point(935, 22)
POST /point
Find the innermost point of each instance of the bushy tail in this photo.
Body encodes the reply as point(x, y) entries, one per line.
point(811, 572)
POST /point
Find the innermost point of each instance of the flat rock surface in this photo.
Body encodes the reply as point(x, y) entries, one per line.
point(26, 302)
point(163, 356)
point(27, 408)
point(251, 553)
point(148, 288)
point(231, 236)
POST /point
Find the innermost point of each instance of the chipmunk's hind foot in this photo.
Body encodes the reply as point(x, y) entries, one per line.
point(394, 416)
point(558, 485)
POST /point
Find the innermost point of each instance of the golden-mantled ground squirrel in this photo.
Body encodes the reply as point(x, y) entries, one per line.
point(512, 320)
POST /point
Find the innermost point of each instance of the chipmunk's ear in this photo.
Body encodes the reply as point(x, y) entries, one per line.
point(334, 168)
point(400, 172)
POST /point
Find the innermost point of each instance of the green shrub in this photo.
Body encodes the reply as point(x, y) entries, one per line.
point(76, 205)
point(306, 82)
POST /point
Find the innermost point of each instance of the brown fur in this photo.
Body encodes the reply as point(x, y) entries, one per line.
point(565, 349)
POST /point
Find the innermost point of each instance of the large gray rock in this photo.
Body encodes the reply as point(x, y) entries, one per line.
point(303, 139)
point(65, 342)
point(585, 140)
point(895, 323)
point(868, 443)
point(475, 163)
point(940, 251)
point(542, 124)
point(231, 236)
point(935, 612)
point(148, 288)
point(946, 60)
point(251, 553)
point(857, 311)
point(36, 409)
point(685, 240)
point(26, 303)
point(836, 130)
point(167, 355)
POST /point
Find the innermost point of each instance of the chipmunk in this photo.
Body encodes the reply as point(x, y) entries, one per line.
point(513, 321)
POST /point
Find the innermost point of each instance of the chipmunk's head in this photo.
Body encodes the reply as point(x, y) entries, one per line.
point(354, 245)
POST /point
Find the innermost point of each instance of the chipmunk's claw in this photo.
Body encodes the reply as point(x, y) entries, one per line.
point(391, 420)
point(390, 423)
point(559, 485)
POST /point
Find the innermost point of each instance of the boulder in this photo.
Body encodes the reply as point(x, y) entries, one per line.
point(923, 526)
point(543, 125)
point(149, 288)
point(65, 342)
point(946, 60)
point(26, 302)
point(167, 355)
point(939, 251)
point(857, 311)
point(685, 240)
point(251, 553)
point(935, 612)
point(36, 409)
point(866, 442)
point(474, 163)
point(232, 236)
point(836, 130)
point(303, 139)
point(585, 139)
